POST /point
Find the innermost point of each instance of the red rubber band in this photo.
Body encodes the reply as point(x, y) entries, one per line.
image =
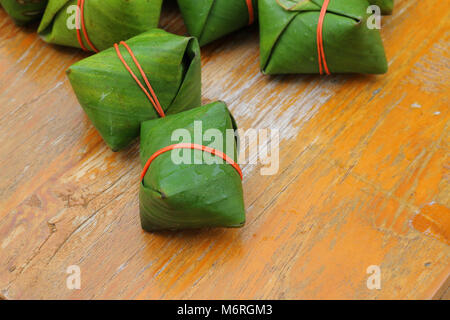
point(150, 95)
point(80, 12)
point(78, 26)
point(191, 146)
point(251, 12)
point(320, 49)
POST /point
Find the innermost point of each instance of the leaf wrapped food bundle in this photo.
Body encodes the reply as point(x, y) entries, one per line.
point(24, 11)
point(96, 25)
point(300, 36)
point(209, 20)
point(196, 192)
point(112, 98)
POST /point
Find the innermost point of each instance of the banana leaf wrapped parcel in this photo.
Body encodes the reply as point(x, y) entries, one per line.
point(209, 20)
point(110, 85)
point(386, 6)
point(319, 36)
point(24, 11)
point(190, 179)
point(96, 25)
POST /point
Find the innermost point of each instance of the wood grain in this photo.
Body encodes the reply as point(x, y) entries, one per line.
point(360, 158)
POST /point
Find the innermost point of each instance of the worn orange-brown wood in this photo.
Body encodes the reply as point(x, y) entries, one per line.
point(363, 179)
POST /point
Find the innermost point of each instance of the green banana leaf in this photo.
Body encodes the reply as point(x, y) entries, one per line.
point(188, 195)
point(24, 11)
point(289, 37)
point(209, 20)
point(113, 100)
point(386, 6)
point(107, 22)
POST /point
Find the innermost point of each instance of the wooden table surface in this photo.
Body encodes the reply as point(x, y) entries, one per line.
point(363, 179)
